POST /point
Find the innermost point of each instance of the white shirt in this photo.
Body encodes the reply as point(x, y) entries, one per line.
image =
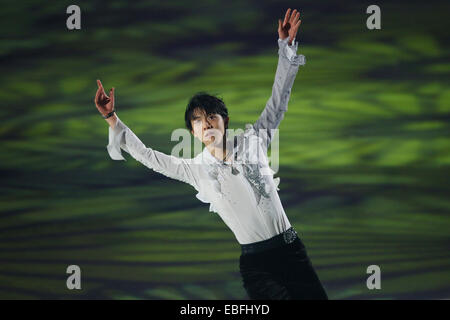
point(242, 191)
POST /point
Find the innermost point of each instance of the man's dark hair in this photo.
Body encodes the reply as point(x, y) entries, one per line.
point(204, 101)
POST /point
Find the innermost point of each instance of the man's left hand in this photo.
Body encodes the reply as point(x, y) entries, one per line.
point(290, 25)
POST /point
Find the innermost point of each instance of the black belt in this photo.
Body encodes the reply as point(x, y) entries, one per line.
point(279, 240)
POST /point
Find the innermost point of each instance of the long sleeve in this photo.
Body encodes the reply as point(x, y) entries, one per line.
point(121, 137)
point(277, 105)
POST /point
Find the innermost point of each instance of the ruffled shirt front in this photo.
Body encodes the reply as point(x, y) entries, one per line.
point(242, 190)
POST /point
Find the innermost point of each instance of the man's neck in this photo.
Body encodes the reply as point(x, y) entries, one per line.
point(219, 152)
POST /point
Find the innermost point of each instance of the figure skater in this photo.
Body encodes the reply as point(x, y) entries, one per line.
point(273, 263)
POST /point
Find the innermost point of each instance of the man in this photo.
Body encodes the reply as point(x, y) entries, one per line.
point(273, 263)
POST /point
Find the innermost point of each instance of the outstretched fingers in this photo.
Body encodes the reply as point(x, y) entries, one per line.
point(97, 95)
point(111, 96)
point(297, 25)
point(99, 83)
point(294, 17)
point(286, 17)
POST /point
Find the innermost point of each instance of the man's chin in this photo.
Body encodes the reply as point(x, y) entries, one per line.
point(211, 140)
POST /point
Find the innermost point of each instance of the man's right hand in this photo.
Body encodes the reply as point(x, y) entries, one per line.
point(290, 25)
point(104, 103)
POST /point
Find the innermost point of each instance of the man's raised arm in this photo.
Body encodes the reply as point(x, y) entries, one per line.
point(121, 137)
point(287, 68)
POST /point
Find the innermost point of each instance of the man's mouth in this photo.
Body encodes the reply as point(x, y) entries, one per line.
point(208, 133)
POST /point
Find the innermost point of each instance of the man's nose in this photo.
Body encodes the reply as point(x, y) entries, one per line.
point(207, 125)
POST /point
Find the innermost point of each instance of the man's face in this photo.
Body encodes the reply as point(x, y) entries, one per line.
point(208, 128)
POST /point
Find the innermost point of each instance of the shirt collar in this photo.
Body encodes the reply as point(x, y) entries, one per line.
point(210, 159)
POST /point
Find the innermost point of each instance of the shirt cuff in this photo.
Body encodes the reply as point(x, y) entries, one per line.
point(290, 51)
point(116, 138)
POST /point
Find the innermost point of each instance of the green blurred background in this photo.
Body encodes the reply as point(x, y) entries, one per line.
point(364, 146)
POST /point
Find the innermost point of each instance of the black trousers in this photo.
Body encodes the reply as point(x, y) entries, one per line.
point(284, 273)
